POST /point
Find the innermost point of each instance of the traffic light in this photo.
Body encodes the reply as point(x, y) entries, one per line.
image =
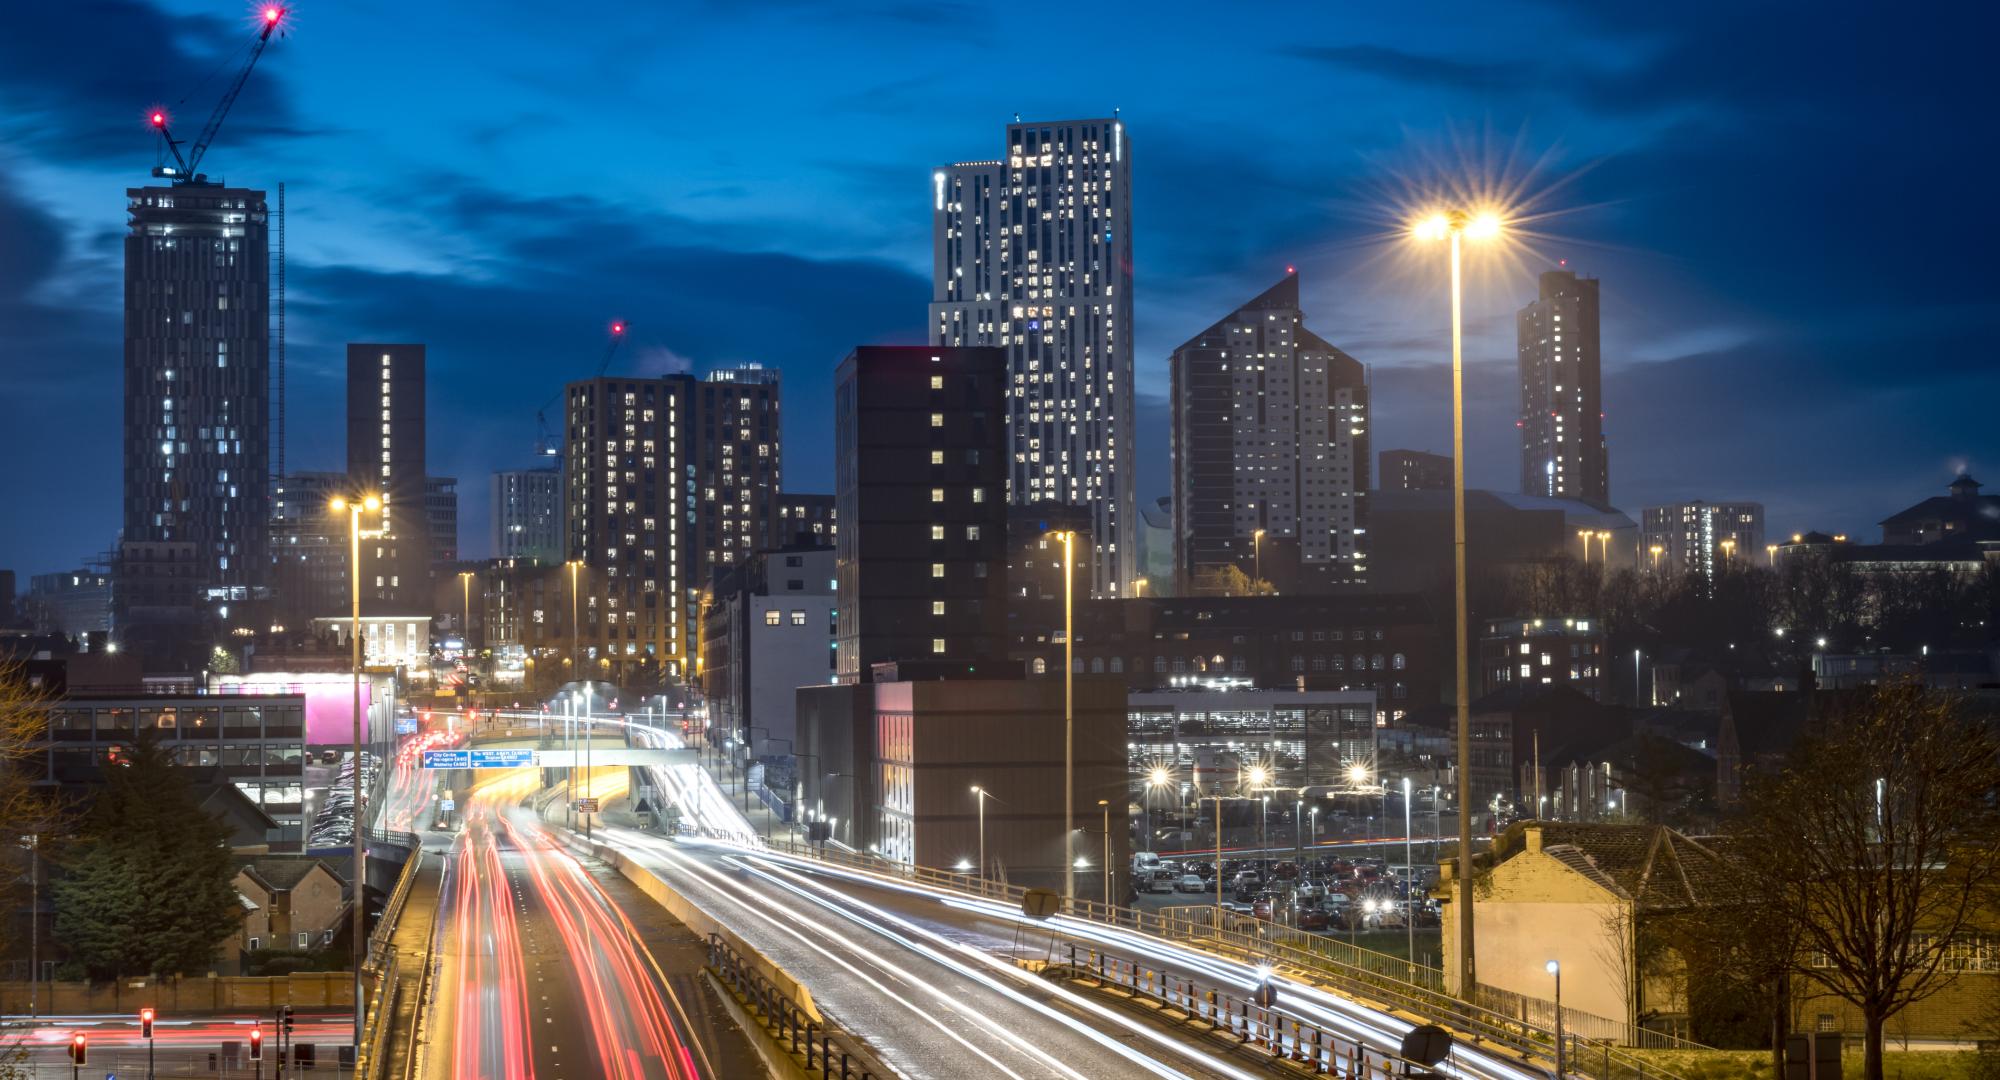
point(146, 1023)
point(287, 1015)
point(256, 1044)
point(79, 1049)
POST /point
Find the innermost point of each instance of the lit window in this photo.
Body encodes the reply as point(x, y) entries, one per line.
point(937, 532)
point(937, 457)
point(972, 532)
point(937, 569)
point(798, 617)
point(770, 618)
point(937, 646)
point(937, 607)
point(937, 419)
point(937, 495)
point(937, 382)
point(979, 495)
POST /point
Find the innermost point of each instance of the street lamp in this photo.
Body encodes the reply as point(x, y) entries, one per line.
point(981, 793)
point(1604, 548)
point(1771, 553)
point(575, 630)
point(1257, 560)
point(1158, 777)
point(1657, 551)
point(465, 579)
point(353, 508)
point(1728, 549)
point(1584, 535)
point(1068, 537)
point(1457, 226)
point(1409, 885)
point(1556, 970)
point(1106, 804)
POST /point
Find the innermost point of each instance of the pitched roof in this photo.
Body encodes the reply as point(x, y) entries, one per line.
point(1655, 867)
point(285, 872)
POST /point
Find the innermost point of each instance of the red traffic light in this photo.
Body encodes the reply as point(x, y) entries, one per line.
point(79, 1049)
point(256, 1044)
point(146, 1023)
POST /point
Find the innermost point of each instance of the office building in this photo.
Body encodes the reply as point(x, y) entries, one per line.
point(805, 519)
point(441, 519)
point(71, 602)
point(528, 515)
point(665, 480)
point(1414, 470)
point(1035, 579)
point(769, 629)
point(920, 481)
point(1270, 451)
point(385, 455)
point(197, 405)
point(1543, 652)
point(1694, 537)
point(1562, 408)
point(1033, 254)
point(309, 547)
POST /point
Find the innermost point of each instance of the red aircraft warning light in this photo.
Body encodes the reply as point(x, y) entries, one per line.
point(618, 327)
point(272, 13)
point(159, 119)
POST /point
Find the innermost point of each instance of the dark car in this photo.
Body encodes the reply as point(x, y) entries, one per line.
point(1313, 918)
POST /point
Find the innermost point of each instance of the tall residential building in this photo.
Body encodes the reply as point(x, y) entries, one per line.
point(1270, 450)
point(441, 519)
point(1692, 537)
point(528, 515)
point(1414, 470)
point(665, 479)
point(919, 485)
point(1562, 407)
point(197, 403)
point(1033, 253)
point(385, 454)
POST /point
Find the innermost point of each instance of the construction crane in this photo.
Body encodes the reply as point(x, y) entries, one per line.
point(183, 170)
point(547, 445)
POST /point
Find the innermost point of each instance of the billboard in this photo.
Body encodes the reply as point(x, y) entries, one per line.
point(329, 699)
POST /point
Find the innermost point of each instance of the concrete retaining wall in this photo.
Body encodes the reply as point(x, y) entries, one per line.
point(186, 997)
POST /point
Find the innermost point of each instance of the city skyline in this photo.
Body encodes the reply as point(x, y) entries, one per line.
point(1766, 327)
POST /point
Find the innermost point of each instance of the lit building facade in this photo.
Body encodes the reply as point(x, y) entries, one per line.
point(441, 518)
point(1694, 537)
point(803, 516)
point(1543, 652)
point(1270, 450)
point(664, 481)
point(1414, 470)
point(528, 515)
point(197, 417)
point(1033, 253)
point(308, 548)
point(1562, 408)
point(385, 455)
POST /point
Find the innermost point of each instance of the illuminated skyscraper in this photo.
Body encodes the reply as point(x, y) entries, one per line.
point(664, 480)
point(1033, 253)
point(197, 403)
point(1562, 408)
point(386, 454)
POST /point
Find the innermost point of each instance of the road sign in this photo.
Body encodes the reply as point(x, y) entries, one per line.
point(1040, 903)
point(586, 806)
point(447, 805)
point(447, 759)
point(406, 726)
point(511, 758)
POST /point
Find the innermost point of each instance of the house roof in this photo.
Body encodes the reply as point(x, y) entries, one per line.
point(285, 872)
point(1658, 869)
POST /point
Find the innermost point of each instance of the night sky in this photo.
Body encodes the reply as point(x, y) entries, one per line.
point(1790, 206)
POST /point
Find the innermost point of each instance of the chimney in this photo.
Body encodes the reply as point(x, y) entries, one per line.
point(1534, 838)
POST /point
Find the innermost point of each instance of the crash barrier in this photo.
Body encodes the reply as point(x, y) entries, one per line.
point(826, 1050)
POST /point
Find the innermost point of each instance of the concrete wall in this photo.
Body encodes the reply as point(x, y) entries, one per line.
point(1533, 909)
point(187, 996)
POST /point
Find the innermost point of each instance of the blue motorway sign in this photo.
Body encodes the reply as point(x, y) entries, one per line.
point(503, 759)
point(447, 759)
point(406, 726)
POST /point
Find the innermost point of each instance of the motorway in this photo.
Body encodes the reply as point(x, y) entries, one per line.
point(541, 973)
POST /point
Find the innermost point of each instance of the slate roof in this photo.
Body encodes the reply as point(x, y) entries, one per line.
point(282, 872)
point(1656, 868)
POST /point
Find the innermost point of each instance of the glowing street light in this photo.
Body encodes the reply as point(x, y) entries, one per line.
point(1257, 560)
point(1457, 226)
point(353, 508)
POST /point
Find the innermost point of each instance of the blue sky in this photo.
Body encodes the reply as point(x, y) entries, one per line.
point(1785, 204)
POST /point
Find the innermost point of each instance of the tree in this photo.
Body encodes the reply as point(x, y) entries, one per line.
point(1880, 836)
point(148, 883)
point(24, 812)
point(1229, 580)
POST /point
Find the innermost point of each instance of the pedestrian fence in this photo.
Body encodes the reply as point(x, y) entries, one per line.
point(825, 1049)
point(229, 1061)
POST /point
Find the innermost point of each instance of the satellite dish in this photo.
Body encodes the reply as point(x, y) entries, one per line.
point(1426, 1045)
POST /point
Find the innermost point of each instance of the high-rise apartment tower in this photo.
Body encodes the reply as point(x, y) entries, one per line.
point(1562, 408)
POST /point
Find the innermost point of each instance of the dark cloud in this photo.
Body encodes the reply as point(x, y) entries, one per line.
point(77, 79)
point(1419, 69)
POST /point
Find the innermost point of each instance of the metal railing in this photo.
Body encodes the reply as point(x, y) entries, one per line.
point(1242, 1020)
point(826, 1049)
point(1376, 977)
point(371, 1052)
point(1540, 1012)
point(385, 927)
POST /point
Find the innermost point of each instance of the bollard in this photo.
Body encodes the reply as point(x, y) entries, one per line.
point(1243, 1016)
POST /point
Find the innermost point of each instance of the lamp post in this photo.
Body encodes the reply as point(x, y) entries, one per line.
point(33, 842)
point(1410, 886)
point(1457, 226)
point(979, 793)
point(1158, 778)
point(1604, 549)
point(1257, 559)
point(1069, 717)
point(465, 579)
point(575, 630)
point(1106, 804)
point(1581, 534)
point(1657, 550)
point(1556, 970)
point(354, 506)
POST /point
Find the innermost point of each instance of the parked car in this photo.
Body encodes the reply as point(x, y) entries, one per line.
point(1190, 883)
point(1261, 907)
point(1314, 918)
